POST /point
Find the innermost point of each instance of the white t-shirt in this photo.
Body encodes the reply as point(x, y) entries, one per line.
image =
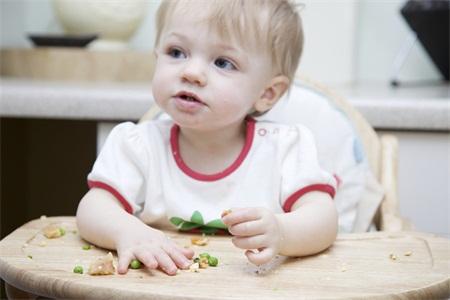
point(142, 167)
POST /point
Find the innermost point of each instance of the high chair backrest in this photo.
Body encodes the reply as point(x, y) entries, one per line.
point(381, 152)
point(369, 137)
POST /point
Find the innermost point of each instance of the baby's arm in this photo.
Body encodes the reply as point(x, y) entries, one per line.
point(309, 228)
point(102, 220)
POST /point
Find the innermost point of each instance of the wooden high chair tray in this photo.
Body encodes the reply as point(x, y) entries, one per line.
point(378, 265)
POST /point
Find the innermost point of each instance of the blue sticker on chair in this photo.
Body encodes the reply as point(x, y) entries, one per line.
point(358, 151)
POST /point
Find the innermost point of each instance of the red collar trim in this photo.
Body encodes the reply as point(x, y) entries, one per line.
point(174, 133)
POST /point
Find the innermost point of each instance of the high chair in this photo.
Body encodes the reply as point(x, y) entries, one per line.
point(397, 263)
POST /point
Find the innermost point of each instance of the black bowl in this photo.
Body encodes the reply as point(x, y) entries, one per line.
point(62, 40)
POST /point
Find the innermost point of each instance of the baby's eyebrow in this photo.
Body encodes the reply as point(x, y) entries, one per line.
point(237, 52)
point(226, 47)
point(177, 35)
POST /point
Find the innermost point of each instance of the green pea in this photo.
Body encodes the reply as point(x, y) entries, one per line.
point(135, 264)
point(204, 255)
point(62, 231)
point(213, 261)
point(78, 269)
point(86, 247)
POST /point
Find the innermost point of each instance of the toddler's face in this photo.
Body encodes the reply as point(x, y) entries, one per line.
point(202, 81)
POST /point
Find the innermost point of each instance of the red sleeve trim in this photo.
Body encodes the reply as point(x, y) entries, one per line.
point(326, 188)
point(101, 185)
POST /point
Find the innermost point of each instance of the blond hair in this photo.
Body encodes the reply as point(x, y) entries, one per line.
point(271, 25)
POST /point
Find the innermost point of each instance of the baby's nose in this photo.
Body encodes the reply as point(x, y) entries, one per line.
point(194, 73)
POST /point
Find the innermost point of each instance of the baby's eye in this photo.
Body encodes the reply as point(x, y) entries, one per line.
point(176, 53)
point(224, 64)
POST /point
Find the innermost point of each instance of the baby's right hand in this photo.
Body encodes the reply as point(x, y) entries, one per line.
point(152, 248)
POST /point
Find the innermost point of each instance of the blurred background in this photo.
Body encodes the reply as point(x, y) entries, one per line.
point(347, 41)
point(93, 69)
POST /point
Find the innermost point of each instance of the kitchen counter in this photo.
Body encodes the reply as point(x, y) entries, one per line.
point(403, 108)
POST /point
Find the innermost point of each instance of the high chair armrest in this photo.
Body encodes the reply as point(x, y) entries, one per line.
point(390, 219)
point(153, 112)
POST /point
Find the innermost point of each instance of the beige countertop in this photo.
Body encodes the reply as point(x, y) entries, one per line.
point(405, 108)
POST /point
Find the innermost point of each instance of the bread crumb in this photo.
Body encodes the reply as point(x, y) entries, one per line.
point(199, 241)
point(53, 231)
point(194, 267)
point(225, 212)
point(203, 263)
point(102, 266)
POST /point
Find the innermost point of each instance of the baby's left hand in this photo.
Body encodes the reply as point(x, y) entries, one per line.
point(255, 228)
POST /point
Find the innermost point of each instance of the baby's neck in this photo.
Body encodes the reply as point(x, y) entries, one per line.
point(211, 151)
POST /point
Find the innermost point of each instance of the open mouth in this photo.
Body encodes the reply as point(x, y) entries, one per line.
point(188, 97)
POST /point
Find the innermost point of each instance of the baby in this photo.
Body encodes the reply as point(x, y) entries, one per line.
point(218, 65)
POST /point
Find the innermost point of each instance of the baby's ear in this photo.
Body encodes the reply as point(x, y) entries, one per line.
point(272, 93)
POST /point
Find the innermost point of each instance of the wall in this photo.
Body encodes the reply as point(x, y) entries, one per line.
point(347, 41)
point(423, 180)
point(381, 32)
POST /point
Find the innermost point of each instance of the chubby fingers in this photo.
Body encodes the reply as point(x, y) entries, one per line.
point(125, 257)
point(187, 252)
point(240, 215)
point(178, 257)
point(167, 257)
point(261, 257)
point(252, 242)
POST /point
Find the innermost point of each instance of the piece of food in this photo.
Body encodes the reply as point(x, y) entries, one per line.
point(53, 231)
point(199, 241)
point(213, 261)
point(102, 266)
point(135, 264)
point(86, 247)
point(194, 267)
point(78, 269)
point(204, 255)
point(409, 253)
point(203, 262)
point(393, 256)
point(225, 212)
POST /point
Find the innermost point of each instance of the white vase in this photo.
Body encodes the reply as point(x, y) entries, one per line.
point(115, 21)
